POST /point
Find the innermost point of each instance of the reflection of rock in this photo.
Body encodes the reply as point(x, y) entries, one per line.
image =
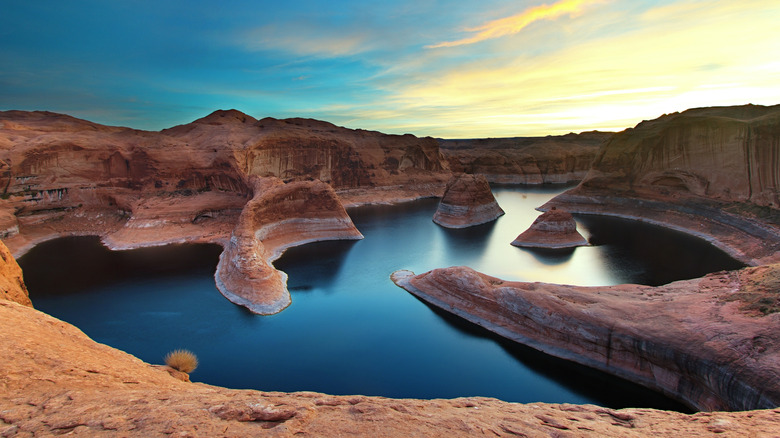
point(695, 339)
point(555, 229)
point(11, 281)
point(710, 172)
point(526, 160)
point(55, 380)
point(278, 217)
point(467, 201)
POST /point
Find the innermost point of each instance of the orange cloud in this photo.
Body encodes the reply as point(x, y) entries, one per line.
point(516, 23)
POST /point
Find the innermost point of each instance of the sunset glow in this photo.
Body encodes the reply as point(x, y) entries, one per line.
point(446, 69)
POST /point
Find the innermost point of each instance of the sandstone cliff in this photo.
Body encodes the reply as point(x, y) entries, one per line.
point(188, 181)
point(467, 201)
point(712, 172)
point(191, 183)
point(701, 341)
point(526, 160)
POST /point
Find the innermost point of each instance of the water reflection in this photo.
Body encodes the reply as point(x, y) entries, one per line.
point(473, 240)
point(549, 256)
point(323, 262)
point(655, 255)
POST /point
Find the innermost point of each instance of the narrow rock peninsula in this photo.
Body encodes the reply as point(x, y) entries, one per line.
point(707, 342)
point(467, 201)
point(278, 216)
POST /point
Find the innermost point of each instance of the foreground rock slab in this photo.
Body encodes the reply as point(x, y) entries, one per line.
point(12, 285)
point(467, 201)
point(553, 229)
point(706, 342)
point(55, 381)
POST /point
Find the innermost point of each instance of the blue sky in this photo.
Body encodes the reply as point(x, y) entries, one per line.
point(450, 69)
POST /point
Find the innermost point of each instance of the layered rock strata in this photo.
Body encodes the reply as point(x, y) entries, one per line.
point(553, 229)
point(711, 172)
point(63, 176)
point(526, 160)
point(467, 201)
point(698, 340)
point(55, 381)
point(278, 217)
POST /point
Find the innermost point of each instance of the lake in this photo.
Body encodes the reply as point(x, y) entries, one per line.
point(349, 329)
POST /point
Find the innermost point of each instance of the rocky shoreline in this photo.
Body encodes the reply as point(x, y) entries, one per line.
point(692, 341)
point(55, 380)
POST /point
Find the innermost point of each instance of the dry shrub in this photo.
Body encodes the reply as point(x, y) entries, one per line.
point(182, 360)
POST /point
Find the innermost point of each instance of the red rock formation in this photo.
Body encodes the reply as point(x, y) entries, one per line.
point(55, 380)
point(467, 201)
point(64, 176)
point(526, 160)
point(189, 181)
point(689, 339)
point(278, 217)
point(554, 229)
point(11, 281)
point(711, 172)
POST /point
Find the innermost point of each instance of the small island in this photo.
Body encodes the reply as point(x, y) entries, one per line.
point(554, 229)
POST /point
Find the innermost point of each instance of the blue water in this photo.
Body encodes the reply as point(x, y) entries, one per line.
point(349, 329)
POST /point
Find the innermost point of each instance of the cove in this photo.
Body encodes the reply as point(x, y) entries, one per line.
point(349, 329)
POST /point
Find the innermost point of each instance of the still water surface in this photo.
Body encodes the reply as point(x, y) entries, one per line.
point(349, 329)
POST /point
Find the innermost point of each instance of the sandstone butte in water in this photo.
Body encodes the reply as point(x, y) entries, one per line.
point(553, 229)
point(703, 341)
point(710, 172)
point(54, 380)
point(526, 160)
point(467, 201)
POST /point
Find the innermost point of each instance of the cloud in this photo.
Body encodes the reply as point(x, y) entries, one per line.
point(307, 40)
point(515, 23)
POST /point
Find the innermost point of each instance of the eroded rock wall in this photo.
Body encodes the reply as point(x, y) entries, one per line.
point(526, 160)
point(729, 154)
point(711, 172)
point(120, 182)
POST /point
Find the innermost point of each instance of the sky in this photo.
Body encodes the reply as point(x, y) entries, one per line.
point(451, 69)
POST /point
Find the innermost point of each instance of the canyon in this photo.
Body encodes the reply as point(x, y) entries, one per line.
point(257, 187)
point(526, 160)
